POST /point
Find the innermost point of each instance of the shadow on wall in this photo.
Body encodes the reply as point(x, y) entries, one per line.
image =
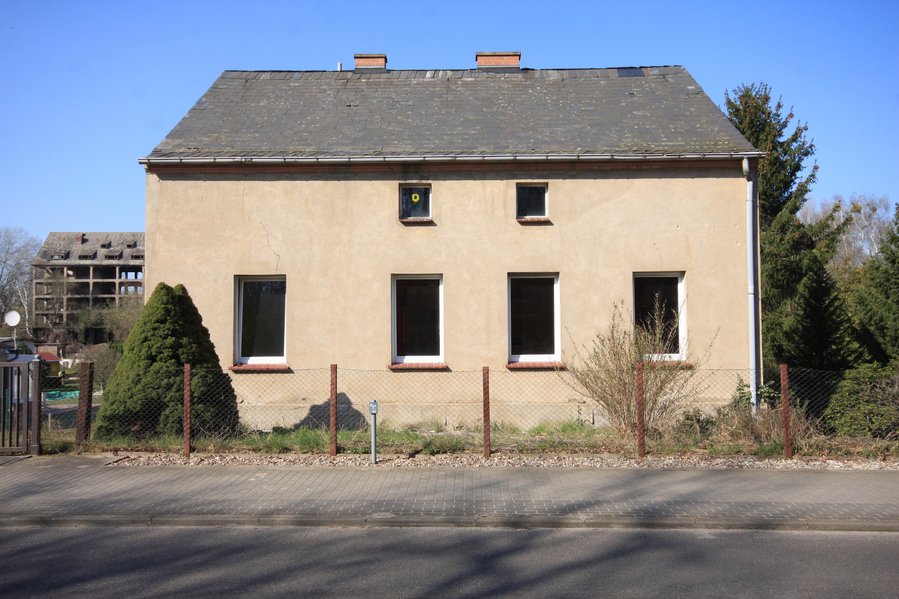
point(348, 417)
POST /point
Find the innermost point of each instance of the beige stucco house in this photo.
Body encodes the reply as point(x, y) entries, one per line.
point(442, 220)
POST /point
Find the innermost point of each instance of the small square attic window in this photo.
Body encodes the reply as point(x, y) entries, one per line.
point(530, 201)
point(415, 202)
point(87, 255)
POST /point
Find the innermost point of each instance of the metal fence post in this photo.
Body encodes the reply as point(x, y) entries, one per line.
point(187, 398)
point(785, 410)
point(85, 405)
point(485, 374)
point(35, 448)
point(641, 414)
point(332, 449)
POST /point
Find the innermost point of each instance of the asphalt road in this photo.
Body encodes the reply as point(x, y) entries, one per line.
point(444, 562)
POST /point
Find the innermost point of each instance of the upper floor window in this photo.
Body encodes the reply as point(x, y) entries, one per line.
point(530, 201)
point(261, 320)
point(659, 310)
point(415, 202)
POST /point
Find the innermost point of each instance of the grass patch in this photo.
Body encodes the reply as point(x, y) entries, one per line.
point(733, 432)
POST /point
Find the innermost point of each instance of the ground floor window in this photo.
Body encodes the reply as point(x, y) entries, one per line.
point(260, 320)
point(534, 318)
point(417, 319)
point(659, 303)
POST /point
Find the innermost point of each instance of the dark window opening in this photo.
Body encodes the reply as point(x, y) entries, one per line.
point(656, 305)
point(262, 310)
point(532, 316)
point(417, 317)
point(415, 202)
point(530, 201)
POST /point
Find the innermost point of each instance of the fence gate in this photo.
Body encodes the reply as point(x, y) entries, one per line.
point(20, 414)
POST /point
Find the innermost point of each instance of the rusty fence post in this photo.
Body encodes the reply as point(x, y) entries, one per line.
point(785, 410)
point(85, 405)
point(485, 375)
point(332, 449)
point(187, 398)
point(641, 414)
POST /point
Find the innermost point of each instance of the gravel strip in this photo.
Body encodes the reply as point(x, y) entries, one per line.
point(504, 461)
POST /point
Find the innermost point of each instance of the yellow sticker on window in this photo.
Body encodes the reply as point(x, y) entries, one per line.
point(415, 198)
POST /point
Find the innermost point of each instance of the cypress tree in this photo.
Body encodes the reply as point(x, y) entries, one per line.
point(145, 392)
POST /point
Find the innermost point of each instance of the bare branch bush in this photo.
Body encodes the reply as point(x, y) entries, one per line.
point(605, 371)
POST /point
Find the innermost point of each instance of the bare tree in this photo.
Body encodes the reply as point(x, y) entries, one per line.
point(864, 219)
point(17, 250)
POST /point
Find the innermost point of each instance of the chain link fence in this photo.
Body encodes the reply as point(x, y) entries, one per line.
point(327, 410)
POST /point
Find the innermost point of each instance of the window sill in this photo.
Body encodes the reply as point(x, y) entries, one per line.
point(534, 220)
point(419, 366)
point(418, 220)
point(651, 363)
point(260, 368)
point(535, 366)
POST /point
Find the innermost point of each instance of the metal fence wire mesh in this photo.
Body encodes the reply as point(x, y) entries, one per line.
point(444, 411)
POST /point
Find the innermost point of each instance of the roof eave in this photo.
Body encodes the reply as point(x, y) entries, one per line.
point(291, 160)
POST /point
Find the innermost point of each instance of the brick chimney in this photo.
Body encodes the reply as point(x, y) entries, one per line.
point(498, 60)
point(370, 61)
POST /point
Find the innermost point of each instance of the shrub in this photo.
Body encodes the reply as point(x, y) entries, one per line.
point(145, 392)
point(866, 403)
point(606, 372)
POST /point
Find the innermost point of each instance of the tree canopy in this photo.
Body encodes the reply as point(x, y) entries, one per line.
point(804, 319)
point(17, 250)
point(877, 295)
point(784, 180)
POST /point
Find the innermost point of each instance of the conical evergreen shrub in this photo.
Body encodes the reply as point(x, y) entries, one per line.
point(145, 392)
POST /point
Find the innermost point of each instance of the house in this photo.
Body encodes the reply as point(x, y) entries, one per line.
point(434, 220)
point(74, 272)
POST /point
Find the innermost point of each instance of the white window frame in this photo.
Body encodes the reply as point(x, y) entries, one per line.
point(556, 356)
point(430, 202)
point(395, 359)
point(681, 312)
point(545, 214)
point(238, 320)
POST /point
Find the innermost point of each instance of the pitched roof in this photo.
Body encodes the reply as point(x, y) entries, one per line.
point(92, 248)
point(414, 114)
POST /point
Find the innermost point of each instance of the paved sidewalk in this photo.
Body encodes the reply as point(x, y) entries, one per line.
point(85, 491)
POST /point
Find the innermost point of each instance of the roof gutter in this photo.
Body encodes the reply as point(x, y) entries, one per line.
point(291, 160)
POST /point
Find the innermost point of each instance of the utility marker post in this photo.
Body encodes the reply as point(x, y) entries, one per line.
point(373, 408)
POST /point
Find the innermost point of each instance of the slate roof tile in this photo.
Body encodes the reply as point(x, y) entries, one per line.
point(397, 113)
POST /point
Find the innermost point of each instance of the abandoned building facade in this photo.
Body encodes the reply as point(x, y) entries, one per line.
point(76, 272)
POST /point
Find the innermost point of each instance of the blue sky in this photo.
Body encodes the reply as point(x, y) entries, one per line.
point(91, 86)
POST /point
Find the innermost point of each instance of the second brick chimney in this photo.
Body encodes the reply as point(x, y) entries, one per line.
point(370, 61)
point(498, 60)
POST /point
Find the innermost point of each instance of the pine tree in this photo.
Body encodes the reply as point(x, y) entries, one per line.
point(803, 319)
point(816, 328)
point(145, 392)
point(781, 186)
point(877, 298)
